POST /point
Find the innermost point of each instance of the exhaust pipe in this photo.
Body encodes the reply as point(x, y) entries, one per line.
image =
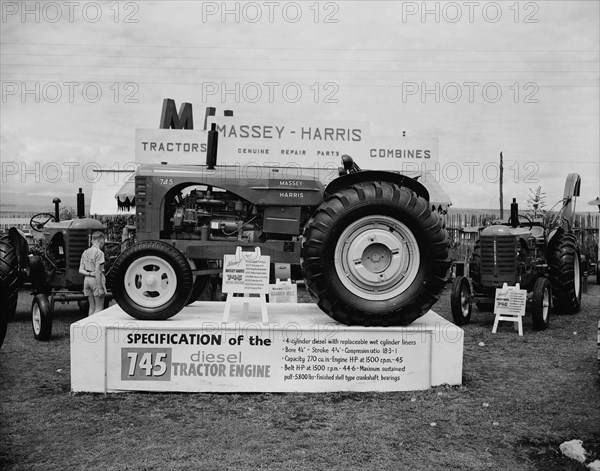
point(80, 204)
point(56, 202)
point(211, 147)
point(514, 213)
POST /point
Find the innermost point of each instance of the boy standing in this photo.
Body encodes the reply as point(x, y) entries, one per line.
point(92, 267)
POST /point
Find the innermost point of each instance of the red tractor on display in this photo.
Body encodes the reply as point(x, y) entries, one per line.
point(543, 257)
point(368, 245)
point(50, 265)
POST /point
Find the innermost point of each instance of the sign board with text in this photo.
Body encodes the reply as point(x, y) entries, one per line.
point(318, 145)
point(280, 142)
point(510, 301)
point(309, 143)
point(174, 146)
point(246, 272)
point(283, 292)
point(401, 154)
point(299, 350)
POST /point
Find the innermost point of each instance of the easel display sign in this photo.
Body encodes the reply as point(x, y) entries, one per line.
point(247, 275)
point(510, 301)
point(509, 306)
point(246, 272)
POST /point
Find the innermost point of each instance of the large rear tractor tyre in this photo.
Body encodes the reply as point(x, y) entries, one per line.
point(460, 301)
point(151, 280)
point(9, 280)
point(541, 304)
point(41, 317)
point(375, 254)
point(565, 273)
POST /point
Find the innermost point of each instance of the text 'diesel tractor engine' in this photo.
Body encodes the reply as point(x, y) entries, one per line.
point(541, 256)
point(368, 246)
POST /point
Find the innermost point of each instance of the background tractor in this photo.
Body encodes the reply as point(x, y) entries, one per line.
point(368, 246)
point(50, 264)
point(542, 256)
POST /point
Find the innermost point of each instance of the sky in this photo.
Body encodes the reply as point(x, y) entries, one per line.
point(521, 78)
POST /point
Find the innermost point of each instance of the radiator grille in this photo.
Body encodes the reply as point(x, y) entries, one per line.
point(140, 203)
point(498, 259)
point(78, 241)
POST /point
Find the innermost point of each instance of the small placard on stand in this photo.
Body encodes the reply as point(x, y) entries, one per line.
point(283, 292)
point(246, 274)
point(509, 306)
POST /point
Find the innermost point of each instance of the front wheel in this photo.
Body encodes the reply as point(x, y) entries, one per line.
point(541, 304)
point(151, 280)
point(460, 301)
point(375, 254)
point(41, 317)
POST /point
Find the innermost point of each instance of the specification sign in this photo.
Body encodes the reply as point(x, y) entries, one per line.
point(381, 362)
point(252, 357)
point(300, 349)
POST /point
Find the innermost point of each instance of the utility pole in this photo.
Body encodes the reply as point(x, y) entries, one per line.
point(501, 190)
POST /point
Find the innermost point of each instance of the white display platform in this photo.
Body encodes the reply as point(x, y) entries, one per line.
point(300, 350)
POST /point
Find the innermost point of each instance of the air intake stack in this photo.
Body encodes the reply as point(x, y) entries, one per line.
point(80, 204)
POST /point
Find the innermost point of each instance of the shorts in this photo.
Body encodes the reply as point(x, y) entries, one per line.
point(90, 286)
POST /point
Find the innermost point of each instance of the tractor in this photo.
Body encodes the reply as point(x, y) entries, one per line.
point(50, 265)
point(368, 245)
point(543, 257)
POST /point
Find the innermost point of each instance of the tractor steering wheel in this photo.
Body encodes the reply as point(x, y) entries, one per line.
point(529, 221)
point(38, 221)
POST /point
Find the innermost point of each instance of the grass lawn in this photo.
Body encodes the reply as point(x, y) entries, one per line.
point(521, 397)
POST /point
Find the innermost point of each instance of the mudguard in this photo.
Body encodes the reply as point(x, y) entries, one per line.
point(376, 175)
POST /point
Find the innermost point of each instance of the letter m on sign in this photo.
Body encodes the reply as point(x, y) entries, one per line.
point(170, 119)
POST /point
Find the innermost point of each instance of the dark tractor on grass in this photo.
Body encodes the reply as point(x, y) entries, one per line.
point(50, 266)
point(543, 257)
point(368, 245)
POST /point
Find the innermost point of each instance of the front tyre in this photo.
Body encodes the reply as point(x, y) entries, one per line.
point(460, 301)
point(541, 304)
point(375, 254)
point(151, 280)
point(41, 317)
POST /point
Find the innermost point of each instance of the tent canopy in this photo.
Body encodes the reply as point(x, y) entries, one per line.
point(105, 189)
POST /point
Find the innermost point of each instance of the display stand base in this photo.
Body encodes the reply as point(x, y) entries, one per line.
point(301, 349)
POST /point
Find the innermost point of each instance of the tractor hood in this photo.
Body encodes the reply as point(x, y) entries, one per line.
point(83, 223)
point(507, 231)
